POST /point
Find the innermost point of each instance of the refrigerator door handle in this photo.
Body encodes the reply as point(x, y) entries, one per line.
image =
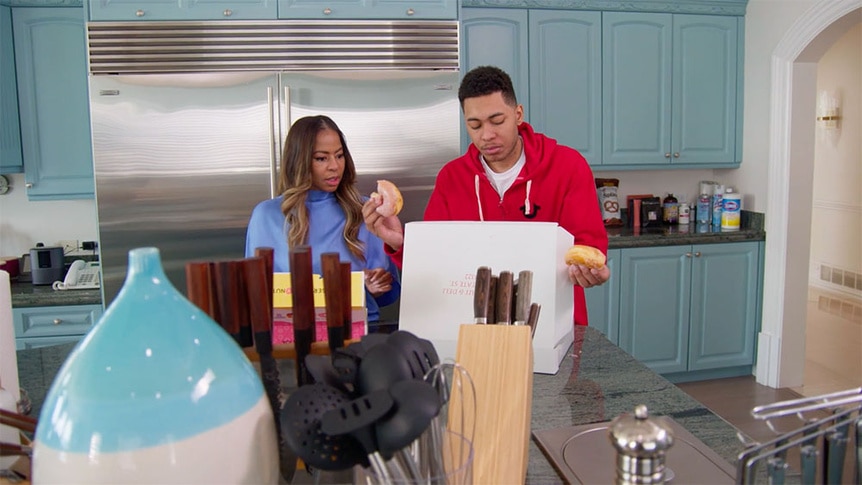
point(273, 143)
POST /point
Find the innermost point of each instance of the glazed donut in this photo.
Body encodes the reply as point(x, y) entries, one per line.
point(392, 200)
point(586, 256)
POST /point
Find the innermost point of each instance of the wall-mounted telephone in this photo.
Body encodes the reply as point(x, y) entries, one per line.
point(82, 275)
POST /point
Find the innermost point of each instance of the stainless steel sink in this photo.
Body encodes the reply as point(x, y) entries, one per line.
point(584, 454)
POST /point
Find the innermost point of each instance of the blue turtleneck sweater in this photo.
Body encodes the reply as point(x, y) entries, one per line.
point(268, 228)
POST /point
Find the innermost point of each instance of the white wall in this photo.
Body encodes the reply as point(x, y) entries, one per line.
point(24, 223)
point(836, 226)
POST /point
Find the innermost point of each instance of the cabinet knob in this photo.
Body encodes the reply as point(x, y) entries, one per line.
point(139, 13)
point(667, 155)
point(676, 155)
point(697, 254)
point(29, 185)
point(58, 321)
point(410, 12)
point(687, 255)
point(327, 11)
point(227, 12)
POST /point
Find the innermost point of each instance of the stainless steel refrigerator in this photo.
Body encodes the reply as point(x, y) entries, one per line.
point(188, 125)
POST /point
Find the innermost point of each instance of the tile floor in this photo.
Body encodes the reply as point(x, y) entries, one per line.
point(833, 362)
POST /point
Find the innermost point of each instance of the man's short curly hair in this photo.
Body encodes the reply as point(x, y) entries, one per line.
point(485, 80)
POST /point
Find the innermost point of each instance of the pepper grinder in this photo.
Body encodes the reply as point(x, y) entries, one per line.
point(641, 443)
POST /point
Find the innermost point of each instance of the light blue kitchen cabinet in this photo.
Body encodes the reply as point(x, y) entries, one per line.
point(671, 88)
point(10, 131)
point(369, 9)
point(51, 68)
point(566, 78)
point(51, 325)
point(148, 10)
point(690, 312)
point(655, 291)
point(724, 305)
point(497, 37)
point(603, 302)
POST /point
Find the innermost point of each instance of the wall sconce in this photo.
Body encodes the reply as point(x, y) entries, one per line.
point(828, 107)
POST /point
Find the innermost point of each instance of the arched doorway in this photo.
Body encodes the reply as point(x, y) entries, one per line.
point(781, 343)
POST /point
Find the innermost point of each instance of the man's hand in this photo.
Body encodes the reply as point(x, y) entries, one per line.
point(588, 277)
point(378, 281)
point(388, 229)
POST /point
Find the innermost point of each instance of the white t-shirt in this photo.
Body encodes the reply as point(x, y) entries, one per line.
point(502, 181)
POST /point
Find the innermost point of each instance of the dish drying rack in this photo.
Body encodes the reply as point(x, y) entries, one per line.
point(830, 423)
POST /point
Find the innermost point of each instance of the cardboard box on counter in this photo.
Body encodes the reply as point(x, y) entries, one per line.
point(440, 263)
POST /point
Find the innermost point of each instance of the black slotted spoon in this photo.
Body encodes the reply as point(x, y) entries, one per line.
point(301, 426)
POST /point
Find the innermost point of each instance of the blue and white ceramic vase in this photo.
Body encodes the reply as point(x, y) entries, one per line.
point(157, 392)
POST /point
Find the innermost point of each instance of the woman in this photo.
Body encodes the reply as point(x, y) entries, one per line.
point(319, 206)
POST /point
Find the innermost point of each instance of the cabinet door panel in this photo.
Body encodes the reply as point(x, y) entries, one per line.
point(55, 321)
point(368, 9)
point(496, 37)
point(654, 306)
point(149, 10)
point(55, 116)
point(10, 132)
point(603, 301)
point(723, 305)
point(565, 78)
point(704, 89)
point(636, 75)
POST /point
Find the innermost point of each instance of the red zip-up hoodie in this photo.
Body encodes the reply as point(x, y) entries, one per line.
point(555, 185)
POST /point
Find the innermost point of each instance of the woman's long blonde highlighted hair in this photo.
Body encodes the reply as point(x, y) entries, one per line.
point(294, 182)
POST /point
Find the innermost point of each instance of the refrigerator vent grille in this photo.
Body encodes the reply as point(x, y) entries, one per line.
point(151, 47)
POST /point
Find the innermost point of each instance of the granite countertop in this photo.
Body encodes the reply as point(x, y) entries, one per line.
point(597, 381)
point(751, 229)
point(24, 294)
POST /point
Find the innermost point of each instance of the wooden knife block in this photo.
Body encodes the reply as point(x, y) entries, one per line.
point(499, 359)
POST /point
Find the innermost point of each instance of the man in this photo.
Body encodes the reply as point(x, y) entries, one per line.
point(509, 173)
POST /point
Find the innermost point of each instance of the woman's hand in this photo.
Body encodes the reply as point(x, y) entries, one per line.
point(388, 229)
point(588, 277)
point(378, 281)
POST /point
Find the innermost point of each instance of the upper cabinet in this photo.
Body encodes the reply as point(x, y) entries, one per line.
point(497, 37)
point(670, 89)
point(629, 90)
point(10, 131)
point(145, 10)
point(368, 9)
point(51, 68)
point(566, 78)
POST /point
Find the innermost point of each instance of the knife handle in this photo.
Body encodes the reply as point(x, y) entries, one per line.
point(492, 301)
point(481, 294)
point(533, 318)
point(268, 255)
point(330, 263)
point(259, 308)
point(199, 286)
point(523, 297)
point(347, 293)
point(302, 292)
point(505, 282)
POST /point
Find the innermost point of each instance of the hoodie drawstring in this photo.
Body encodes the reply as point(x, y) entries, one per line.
point(527, 208)
point(478, 199)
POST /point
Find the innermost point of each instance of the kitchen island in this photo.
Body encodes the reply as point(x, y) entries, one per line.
point(597, 381)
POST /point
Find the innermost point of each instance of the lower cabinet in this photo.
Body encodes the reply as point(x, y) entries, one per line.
point(687, 312)
point(52, 325)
